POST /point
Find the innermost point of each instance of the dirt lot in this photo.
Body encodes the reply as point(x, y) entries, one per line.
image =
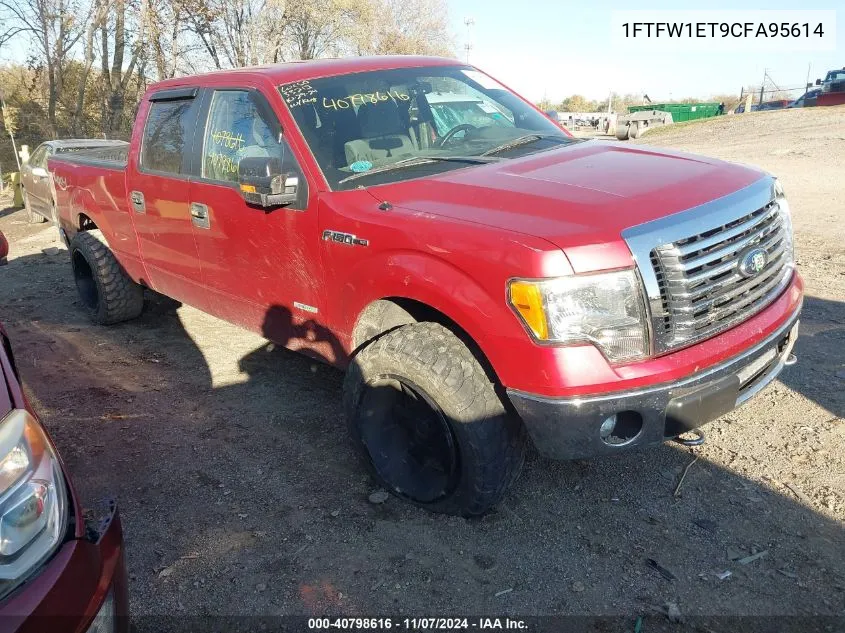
point(240, 494)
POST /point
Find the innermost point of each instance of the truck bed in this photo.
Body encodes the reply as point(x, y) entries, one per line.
point(110, 157)
point(90, 187)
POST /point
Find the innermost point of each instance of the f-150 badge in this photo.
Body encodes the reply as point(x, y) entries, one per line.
point(344, 238)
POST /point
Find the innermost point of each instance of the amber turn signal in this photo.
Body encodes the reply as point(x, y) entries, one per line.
point(527, 300)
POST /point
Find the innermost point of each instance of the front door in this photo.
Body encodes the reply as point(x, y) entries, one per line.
point(262, 265)
point(159, 176)
point(37, 181)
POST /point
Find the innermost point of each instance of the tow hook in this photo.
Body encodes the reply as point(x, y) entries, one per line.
point(790, 360)
point(698, 440)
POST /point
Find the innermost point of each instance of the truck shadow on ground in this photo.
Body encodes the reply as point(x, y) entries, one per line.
point(242, 495)
point(820, 372)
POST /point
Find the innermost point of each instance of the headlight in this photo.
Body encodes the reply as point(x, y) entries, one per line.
point(33, 501)
point(605, 309)
point(786, 218)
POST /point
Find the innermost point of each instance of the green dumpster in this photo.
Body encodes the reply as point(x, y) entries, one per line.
point(682, 111)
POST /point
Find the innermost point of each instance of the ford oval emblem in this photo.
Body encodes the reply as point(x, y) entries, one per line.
point(753, 262)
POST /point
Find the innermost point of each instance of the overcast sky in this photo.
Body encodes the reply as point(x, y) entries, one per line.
point(559, 48)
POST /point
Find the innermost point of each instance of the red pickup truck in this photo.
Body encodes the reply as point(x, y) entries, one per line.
point(481, 284)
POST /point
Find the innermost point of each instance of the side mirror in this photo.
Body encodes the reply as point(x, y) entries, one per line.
point(818, 82)
point(39, 172)
point(263, 184)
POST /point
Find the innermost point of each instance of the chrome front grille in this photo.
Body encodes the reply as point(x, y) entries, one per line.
point(690, 264)
point(702, 291)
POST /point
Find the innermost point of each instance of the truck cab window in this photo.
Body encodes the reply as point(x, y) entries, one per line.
point(240, 126)
point(167, 136)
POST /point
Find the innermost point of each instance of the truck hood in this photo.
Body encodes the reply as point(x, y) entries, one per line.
point(575, 196)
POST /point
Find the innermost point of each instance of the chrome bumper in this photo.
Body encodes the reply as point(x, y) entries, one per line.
point(570, 428)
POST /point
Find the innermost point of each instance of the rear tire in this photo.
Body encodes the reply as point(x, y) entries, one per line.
point(31, 216)
point(428, 423)
point(635, 131)
point(107, 292)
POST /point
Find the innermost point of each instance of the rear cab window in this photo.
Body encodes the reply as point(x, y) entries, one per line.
point(168, 132)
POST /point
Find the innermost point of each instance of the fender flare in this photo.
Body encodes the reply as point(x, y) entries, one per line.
point(429, 280)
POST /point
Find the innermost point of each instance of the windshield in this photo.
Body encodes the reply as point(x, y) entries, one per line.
point(363, 128)
point(835, 75)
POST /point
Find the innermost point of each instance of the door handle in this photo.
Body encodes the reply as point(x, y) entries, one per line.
point(200, 216)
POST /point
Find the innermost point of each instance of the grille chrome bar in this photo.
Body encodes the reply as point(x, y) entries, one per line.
point(689, 263)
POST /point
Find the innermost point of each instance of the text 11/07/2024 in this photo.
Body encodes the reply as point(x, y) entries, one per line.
point(418, 624)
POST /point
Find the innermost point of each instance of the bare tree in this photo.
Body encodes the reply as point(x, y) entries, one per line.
point(98, 17)
point(53, 27)
point(116, 78)
point(409, 27)
point(326, 27)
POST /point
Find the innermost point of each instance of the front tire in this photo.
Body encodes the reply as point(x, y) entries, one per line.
point(107, 292)
point(429, 424)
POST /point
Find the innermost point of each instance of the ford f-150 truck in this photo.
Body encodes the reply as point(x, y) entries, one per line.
point(480, 285)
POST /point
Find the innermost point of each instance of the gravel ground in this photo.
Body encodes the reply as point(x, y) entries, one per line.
point(240, 494)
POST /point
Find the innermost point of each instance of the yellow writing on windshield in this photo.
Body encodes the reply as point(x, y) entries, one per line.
point(360, 98)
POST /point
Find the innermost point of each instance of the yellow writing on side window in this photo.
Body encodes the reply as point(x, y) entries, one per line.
point(225, 138)
point(221, 163)
point(359, 99)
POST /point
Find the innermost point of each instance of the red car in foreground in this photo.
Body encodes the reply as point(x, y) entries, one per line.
point(482, 276)
point(59, 572)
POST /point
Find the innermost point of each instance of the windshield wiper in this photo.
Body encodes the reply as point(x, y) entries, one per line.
point(421, 160)
point(523, 140)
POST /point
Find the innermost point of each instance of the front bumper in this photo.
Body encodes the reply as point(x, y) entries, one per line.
point(82, 589)
point(571, 428)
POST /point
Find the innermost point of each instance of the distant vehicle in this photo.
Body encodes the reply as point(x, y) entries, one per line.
point(806, 100)
point(834, 81)
point(60, 570)
point(778, 104)
point(37, 198)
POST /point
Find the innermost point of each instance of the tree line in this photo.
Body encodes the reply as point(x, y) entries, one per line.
point(88, 62)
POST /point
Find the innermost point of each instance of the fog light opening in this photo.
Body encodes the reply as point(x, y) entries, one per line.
point(621, 428)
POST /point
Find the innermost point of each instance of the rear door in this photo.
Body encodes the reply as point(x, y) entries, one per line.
point(36, 182)
point(261, 265)
point(159, 173)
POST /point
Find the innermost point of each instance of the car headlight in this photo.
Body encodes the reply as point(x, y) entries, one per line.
point(604, 309)
point(786, 218)
point(33, 499)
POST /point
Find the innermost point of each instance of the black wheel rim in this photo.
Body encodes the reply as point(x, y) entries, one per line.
point(85, 284)
point(409, 441)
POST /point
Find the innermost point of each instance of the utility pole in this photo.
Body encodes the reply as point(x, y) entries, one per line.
point(469, 23)
point(8, 127)
point(807, 83)
point(763, 85)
